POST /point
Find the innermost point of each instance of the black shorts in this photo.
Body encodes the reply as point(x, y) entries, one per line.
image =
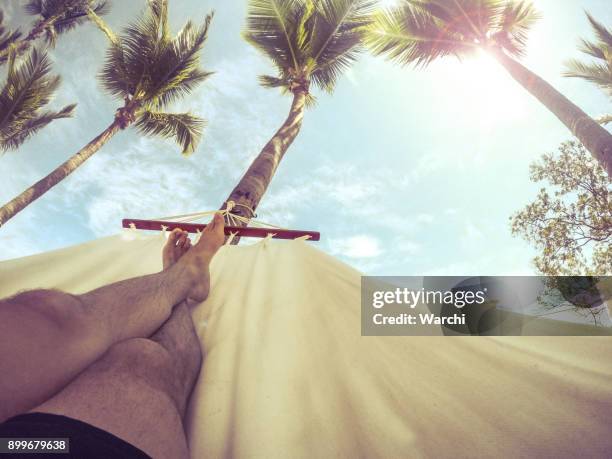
point(85, 440)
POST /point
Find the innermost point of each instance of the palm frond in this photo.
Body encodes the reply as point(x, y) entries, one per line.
point(103, 27)
point(28, 89)
point(147, 64)
point(34, 7)
point(599, 74)
point(311, 101)
point(516, 19)
point(421, 31)
point(604, 35)
point(177, 71)
point(270, 28)
point(268, 81)
point(593, 49)
point(61, 16)
point(599, 71)
point(604, 120)
point(304, 29)
point(468, 19)
point(339, 29)
point(7, 38)
point(159, 9)
point(409, 35)
point(65, 9)
point(29, 86)
point(14, 138)
point(308, 41)
point(185, 128)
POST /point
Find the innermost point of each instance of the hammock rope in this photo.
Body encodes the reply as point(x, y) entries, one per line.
point(232, 219)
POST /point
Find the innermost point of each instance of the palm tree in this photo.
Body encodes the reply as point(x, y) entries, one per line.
point(28, 89)
point(29, 86)
point(148, 69)
point(54, 18)
point(310, 43)
point(600, 71)
point(419, 32)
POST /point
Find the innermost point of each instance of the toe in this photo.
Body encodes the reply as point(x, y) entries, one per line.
point(214, 224)
point(219, 223)
point(174, 235)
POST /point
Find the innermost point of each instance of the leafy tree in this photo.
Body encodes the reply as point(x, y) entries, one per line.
point(148, 69)
point(421, 31)
point(598, 72)
point(54, 17)
point(310, 43)
point(28, 89)
point(571, 225)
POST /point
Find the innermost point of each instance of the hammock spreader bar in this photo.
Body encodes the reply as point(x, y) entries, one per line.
point(159, 225)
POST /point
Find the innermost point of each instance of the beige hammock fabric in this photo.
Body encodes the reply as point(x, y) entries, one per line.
point(287, 374)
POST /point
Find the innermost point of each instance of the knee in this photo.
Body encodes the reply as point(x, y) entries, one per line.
point(152, 354)
point(63, 310)
point(153, 366)
point(140, 356)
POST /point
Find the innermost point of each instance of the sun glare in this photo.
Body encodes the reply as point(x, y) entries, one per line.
point(486, 93)
point(389, 3)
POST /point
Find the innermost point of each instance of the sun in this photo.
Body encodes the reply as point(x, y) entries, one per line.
point(389, 3)
point(485, 91)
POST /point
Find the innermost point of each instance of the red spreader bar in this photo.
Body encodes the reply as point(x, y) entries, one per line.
point(156, 225)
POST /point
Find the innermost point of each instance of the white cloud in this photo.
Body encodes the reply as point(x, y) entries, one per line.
point(360, 246)
point(350, 193)
point(15, 242)
point(146, 180)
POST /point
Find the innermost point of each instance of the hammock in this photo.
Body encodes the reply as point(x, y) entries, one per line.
point(287, 374)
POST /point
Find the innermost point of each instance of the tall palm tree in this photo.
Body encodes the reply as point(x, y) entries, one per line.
point(421, 31)
point(148, 69)
point(310, 43)
point(598, 72)
point(54, 18)
point(28, 89)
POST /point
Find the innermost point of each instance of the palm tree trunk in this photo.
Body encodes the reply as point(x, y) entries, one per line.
point(253, 185)
point(593, 136)
point(12, 208)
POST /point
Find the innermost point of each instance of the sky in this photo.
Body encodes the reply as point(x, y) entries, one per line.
point(403, 171)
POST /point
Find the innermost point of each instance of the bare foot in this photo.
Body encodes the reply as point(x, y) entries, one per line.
point(195, 259)
point(178, 244)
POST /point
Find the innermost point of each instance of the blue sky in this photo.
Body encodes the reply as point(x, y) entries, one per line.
point(404, 172)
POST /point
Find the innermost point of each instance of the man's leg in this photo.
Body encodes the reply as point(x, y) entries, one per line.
point(139, 389)
point(49, 337)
